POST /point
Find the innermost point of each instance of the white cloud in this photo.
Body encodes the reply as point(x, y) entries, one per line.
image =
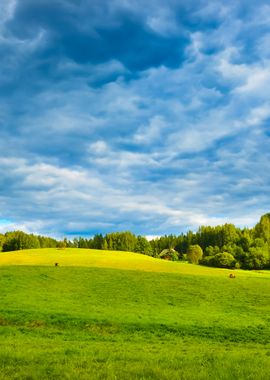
point(157, 151)
point(148, 134)
point(163, 22)
point(257, 79)
point(98, 147)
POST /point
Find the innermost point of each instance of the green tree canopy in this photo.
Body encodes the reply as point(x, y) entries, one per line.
point(224, 260)
point(194, 254)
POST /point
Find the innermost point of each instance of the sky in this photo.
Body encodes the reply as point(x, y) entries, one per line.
point(123, 115)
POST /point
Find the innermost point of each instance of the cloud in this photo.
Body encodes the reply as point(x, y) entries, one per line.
point(124, 115)
point(148, 134)
point(96, 33)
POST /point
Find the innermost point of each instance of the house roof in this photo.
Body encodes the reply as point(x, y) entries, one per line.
point(168, 251)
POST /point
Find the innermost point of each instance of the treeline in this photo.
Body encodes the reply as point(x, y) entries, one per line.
point(17, 240)
point(116, 241)
point(221, 246)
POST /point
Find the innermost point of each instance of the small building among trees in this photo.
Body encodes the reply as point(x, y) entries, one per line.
point(168, 254)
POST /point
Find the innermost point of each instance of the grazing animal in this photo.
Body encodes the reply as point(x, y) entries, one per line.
point(231, 275)
point(56, 264)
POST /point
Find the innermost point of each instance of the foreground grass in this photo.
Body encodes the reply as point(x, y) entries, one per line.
point(101, 323)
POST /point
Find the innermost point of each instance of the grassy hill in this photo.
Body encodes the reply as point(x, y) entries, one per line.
point(118, 315)
point(111, 259)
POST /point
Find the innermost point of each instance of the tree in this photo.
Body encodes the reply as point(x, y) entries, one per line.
point(143, 246)
point(97, 242)
point(230, 234)
point(18, 240)
point(194, 254)
point(211, 251)
point(2, 241)
point(262, 229)
point(104, 245)
point(245, 239)
point(256, 259)
point(155, 247)
point(61, 244)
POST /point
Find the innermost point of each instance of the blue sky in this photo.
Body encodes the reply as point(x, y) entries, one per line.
point(131, 115)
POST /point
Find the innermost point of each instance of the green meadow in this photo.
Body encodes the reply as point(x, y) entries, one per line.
point(115, 315)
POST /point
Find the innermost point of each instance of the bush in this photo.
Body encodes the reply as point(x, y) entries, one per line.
point(224, 260)
point(208, 261)
point(257, 259)
point(220, 260)
point(175, 257)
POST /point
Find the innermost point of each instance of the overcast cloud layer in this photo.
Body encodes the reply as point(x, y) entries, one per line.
point(147, 116)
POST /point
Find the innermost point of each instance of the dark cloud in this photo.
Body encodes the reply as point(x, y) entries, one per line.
point(122, 115)
point(83, 35)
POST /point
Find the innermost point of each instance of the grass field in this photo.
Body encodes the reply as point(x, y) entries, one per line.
point(112, 315)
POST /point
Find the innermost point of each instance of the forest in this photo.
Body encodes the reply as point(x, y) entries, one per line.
point(224, 246)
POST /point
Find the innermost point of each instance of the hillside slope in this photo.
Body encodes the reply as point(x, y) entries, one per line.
point(111, 259)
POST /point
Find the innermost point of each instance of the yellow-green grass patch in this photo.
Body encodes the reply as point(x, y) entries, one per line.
point(112, 259)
